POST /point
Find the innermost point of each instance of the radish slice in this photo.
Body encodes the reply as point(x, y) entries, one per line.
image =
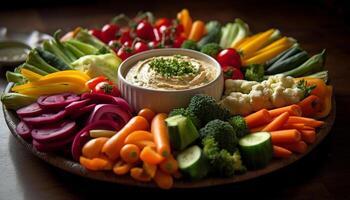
point(76, 105)
point(107, 99)
point(52, 146)
point(110, 111)
point(30, 110)
point(45, 118)
point(55, 132)
point(23, 130)
point(86, 110)
point(58, 101)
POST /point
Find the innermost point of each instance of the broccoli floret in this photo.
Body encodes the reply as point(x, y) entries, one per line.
point(239, 125)
point(211, 49)
point(189, 44)
point(206, 109)
point(221, 160)
point(186, 113)
point(255, 72)
point(222, 132)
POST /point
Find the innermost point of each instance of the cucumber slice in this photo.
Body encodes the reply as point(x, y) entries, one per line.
point(256, 149)
point(182, 131)
point(193, 162)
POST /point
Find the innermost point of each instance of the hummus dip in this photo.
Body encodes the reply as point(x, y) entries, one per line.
point(171, 73)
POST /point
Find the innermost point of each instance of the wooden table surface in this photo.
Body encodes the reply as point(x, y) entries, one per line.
point(323, 174)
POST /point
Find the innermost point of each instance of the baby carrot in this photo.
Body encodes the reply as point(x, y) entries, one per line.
point(160, 134)
point(95, 163)
point(150, 156)
point(308, 136)
point(281, 152)
point(307, 121)
point(137, 136)
point(308, 128)
point(169, 165)
point(298, 126)
point(277, 123)
point(310, 105)
point(298, 147)
point(92, 149)
point(144, 143)
point(121, 167)
point(293, 110)
point(112, 147)
point(139, 174)
point(258, 118)
point(130, 153)
point(150, 169)
point(147, 114)
point(163, 180)
point(285, 136)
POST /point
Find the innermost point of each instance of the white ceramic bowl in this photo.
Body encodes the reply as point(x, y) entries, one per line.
point(166, 100)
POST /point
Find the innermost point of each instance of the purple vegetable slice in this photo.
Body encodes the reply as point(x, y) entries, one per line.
point(52, 146)
point(23, 130)
point(76, 105)
point(58, 101)
point(83, 136)
point(45, 118)
point(86, 110)
point(109, 111)
point(30, 110)
point(53, 133)
point(107, 99)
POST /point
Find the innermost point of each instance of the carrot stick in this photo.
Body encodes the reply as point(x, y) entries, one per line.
point(308, 136)
point(285, 136)
point(121, 167)
point(144, 143)
point(298, 147)
point(150, 156)
point(308, 128)
point(147, 114)
point(281, 152)
point(163, 180)
point(150, 169)
point(307, 121)
point(277, 123)
point(257, 129)
point(298, 126)
point(310, 105)
point(137, 136)
point(160, 134)
point(258, 118)
point(293, 110)
point(112, 147)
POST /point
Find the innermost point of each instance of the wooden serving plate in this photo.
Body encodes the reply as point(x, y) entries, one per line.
point(75, 168)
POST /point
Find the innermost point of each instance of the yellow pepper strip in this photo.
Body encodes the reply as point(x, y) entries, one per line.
point(53, 89)
point(246, 41)
point(186, 20)
point(68, 73)
point(281, 41)
point(197, 30)
point(255, 44)
point(326, 104)
point(30, 75)
point(266, 55)
point(239, 43)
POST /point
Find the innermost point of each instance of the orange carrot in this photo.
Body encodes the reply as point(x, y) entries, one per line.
point(177, 174)
point(150, 156)
point(293, 110)
point(308, 136)
point(277, 123)
point(130, 153)
point(310, 105)
point(285, 136)
point(147, 114)
point(121, 167)
point(160, 134)
point(143, 143)
point(169, 165)
point(95, 163)
point(163, 180)
point(307, 121)
point(197, 30)
point(92, 149)
point(137, 136)
point(281, 152)
point(298, 147)
point(150, 169)
point(298, 126)
point(257, 129)
point(308, 128)
point(139, 174)
point(112, 147)
point(258, 118)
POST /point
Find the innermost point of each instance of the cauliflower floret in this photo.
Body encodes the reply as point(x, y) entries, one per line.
point(292, 95)
point(287, 82)
point(236, 103)
point(277, 97)
point(233, 86)
point(259, 97)
point(247, 86)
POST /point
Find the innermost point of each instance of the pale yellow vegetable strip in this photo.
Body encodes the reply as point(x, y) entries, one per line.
point(266, 55)
point(68, 73)
point(281, 41)
point(30, 75)
point(246, 41)
point(255, 44)
point(53, 89)
point(101, 133)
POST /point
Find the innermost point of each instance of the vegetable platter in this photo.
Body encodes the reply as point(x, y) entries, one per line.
point(67, 104)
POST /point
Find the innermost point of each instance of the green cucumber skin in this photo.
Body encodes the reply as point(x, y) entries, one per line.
point(183, 133)
point(282, 56)
point(287, 64)
point(199, 169)
point(257, 156)
point(53, 60)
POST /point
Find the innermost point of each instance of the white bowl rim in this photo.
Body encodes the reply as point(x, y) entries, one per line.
point(215, 62)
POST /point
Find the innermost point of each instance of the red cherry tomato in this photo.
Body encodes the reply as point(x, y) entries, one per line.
point(109, 32)
point(154, 44)
point(179, 29)
point(125, 35)
point(127, 43)
point(232, 73)
point(95, 32)
point(229, 57)
point(114, 44)
point(125, 52)
point(107, 87)
point(162, 22)
point(140, 47)
point(91, 84)
point(178, 41)
point(144, 30)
